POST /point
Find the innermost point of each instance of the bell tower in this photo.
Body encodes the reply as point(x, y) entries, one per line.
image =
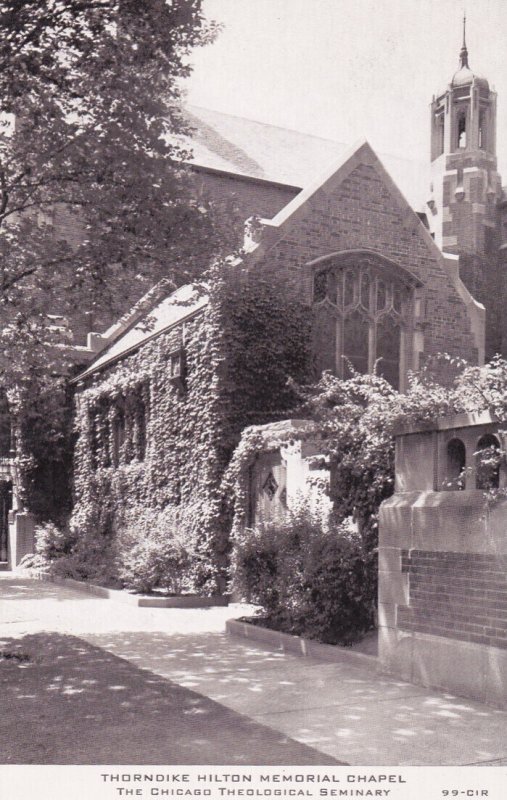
point(465, 185)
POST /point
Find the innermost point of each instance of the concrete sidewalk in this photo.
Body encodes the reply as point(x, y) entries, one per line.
point(346, 712)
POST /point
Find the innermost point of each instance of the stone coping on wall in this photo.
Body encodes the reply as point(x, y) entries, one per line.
point(466, 420)
point(139, 600)
point(295, 425)
point(299, 646)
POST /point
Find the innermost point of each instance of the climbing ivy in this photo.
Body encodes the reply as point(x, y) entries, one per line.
point(238, 353)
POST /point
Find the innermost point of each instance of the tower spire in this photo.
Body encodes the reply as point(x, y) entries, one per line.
point(463, 56)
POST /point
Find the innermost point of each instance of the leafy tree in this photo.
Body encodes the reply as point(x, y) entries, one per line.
point(359, 418)
point(96, 204)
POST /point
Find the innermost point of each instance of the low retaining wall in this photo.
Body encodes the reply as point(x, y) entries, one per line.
point(139, 600)
point(299, 646)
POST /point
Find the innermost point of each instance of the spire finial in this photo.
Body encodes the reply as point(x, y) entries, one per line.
point(463, 56)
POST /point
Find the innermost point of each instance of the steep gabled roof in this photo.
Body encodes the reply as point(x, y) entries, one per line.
point(253, 149)
point(181, 304)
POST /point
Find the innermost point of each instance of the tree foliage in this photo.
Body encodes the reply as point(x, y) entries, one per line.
point(95, 201)
point(359, 418)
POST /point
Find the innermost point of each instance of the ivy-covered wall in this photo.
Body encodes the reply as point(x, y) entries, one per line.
point(158, 428)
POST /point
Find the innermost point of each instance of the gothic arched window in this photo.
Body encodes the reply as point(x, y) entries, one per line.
point(363, 306)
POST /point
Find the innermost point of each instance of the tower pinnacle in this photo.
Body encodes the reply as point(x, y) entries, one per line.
point(463, 56)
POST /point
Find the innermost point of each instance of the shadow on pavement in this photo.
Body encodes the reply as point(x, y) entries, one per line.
point(65, 701)
point(346, 711)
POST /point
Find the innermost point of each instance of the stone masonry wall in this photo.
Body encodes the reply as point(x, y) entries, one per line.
point(361, 213)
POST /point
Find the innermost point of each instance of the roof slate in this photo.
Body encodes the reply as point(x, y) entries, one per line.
point(180, 304)
point(254, 149)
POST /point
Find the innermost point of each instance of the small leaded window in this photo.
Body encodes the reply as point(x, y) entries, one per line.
point(397, 299)
point(320, 286)
point(140, 423)
point(176, 366)
point(119, 431)
point(270, 486)
point(365, 290)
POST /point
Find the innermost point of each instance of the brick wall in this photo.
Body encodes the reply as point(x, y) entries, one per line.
point(443, 570)
point(250, 197)
point(457, 595)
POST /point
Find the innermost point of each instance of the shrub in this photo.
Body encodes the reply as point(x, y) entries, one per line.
point(309, 580)
point(52, 542)
point(154, 553)
point(52, 551)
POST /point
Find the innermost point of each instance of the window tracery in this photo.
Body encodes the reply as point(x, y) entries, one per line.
point(372, 308)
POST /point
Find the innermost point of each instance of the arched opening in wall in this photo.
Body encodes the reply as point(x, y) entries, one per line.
point(440, 133)
point(462, 130)
point(482, 130)
point(456, 464)
point(487, 462)
point(388, 350)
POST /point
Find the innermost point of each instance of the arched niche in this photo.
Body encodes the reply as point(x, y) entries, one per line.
point(455, 465)
point(487, 462)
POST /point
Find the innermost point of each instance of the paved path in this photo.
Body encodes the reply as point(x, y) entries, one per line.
point(343, 711)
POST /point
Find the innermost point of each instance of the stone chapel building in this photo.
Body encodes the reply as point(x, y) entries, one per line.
point(389, 278)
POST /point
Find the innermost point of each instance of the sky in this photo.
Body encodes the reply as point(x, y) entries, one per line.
point(349, 69)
